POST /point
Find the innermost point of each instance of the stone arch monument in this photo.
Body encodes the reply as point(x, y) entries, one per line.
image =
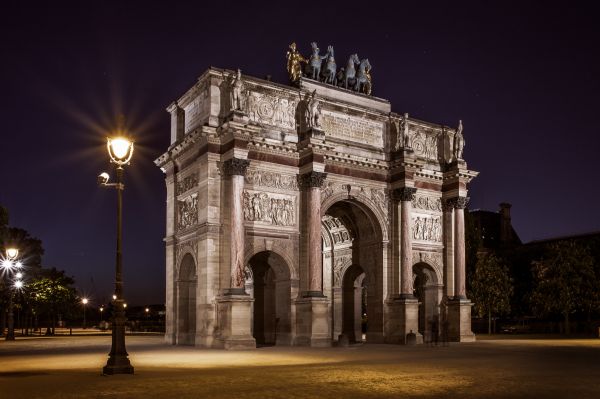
point(305, 209)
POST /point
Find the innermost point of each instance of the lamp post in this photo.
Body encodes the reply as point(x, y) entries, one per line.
point(84, 302)
point(120, 150)
point(10, 264)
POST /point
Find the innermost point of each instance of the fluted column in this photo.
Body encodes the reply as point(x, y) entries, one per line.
point(312, 183)
point(405, 195)
point(236, 169)
point(459, 204)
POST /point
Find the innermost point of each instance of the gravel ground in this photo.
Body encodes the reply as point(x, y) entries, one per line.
point(70, 367)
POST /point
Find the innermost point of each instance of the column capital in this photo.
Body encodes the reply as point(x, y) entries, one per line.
point(312, 179)
point(404, 193)
point(456, 203)
point(235, 166)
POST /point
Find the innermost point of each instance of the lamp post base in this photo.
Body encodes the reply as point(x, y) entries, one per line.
point(118, 362)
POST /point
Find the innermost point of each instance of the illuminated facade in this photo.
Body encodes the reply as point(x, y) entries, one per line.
point(310, 215)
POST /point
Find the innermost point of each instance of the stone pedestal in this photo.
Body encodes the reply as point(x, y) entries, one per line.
point(403, 318)
point(235, 321)
point(313, 324)
point(459, 320)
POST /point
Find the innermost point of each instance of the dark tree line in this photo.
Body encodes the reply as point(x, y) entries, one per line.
point(553, 280)
point(47, 293)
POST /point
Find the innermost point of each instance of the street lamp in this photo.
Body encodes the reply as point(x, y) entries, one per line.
point(120, 150)
point(84, 302)
point(10, 266)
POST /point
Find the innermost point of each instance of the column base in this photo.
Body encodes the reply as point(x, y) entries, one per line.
point(403, 319)
point(313, 324)
point(234, 314)
point(459, 320)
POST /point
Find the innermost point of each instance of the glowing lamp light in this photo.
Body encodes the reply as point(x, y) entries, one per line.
point(114, 297)
point(147, 310)
point(18, 264)
point(124, 305)
point(120, 150)
point(18, 284)
point(12, 253)
point(19, 275)
point(84, 301)
point(7, 264)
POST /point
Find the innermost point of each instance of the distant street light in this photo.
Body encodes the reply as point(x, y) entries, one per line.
point(101, 314)
point(12, 267)
point(120, 150)
point(84, 302)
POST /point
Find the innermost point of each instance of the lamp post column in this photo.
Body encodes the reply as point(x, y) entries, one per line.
point(118, 362)
point(10, 334)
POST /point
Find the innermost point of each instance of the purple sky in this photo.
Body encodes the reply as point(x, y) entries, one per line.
point(524, 79)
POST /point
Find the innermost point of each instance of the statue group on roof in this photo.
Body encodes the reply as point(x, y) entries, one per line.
point(356, 76)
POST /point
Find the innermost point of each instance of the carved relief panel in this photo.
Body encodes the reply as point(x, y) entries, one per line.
point(271, 110)
point(187, 183)
point(187, 212)
point(269, 208)
point(264, 178)
point(426, 228)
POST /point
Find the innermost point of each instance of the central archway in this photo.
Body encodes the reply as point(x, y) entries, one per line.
point(270, 286)
point(353, 255)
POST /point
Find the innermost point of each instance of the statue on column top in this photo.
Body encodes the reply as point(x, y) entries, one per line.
point(237, 92)
point(313, 112)
point(459, 141)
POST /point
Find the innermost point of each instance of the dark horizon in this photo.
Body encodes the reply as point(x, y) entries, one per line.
point(522, 77)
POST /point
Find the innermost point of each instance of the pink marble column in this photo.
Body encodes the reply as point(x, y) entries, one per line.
point(312, 183)
point(236, 169)
point(405, 195)
point(459, 203)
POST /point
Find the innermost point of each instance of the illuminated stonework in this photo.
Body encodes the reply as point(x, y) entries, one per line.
point(292, 209)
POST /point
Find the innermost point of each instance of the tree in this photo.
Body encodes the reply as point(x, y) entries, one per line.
point(50, 294)
point(565, 281)
point(491, 287)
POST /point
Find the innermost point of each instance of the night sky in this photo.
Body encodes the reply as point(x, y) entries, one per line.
point(523, 78)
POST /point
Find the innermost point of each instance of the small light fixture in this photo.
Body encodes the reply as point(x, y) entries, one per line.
point(120, 150)
point(12, 253)
point(18, 284)
point(84, 301)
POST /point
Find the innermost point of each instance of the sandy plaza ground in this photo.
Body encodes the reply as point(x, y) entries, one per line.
point(70, 367)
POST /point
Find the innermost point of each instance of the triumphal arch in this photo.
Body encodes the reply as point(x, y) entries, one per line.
point(311, 213)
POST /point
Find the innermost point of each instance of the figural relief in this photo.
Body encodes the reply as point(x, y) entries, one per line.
point(427, 228)
point(187, 183)
point(187, 212)
point(265, 178)
point(269, 208)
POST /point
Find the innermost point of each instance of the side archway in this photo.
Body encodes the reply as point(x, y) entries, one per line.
point(428, 290)
point(270, 286)
point(187, 283)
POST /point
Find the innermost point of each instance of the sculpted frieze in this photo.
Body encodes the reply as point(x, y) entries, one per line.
point(270, 110)
point(187, 212)
point(427, 228)
point(427, 203)
point(352, 128)
point(264, 178)
point(269, 208)
point(187, 183)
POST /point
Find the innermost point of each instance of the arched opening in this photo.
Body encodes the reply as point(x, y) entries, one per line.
point(186, 301)
point(353, 271)
point(428, 291)
point(354, 304)
point(270, 286)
